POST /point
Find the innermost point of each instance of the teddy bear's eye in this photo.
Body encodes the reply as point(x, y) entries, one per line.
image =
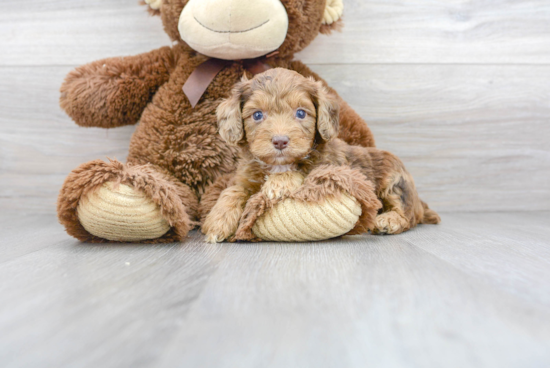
point(301, 114)
point(258, 116)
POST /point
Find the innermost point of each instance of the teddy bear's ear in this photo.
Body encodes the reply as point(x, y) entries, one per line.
point(333, 11)
point(230, 120)
point(332, 17)
point(154, 6)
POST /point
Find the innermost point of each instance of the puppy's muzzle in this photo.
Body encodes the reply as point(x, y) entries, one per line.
point(280, 142)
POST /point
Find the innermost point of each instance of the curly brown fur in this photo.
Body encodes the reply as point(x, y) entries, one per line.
point(284, 122)
point(255, 208)
point(212, 193)
point(181, 141)
point(353, 129)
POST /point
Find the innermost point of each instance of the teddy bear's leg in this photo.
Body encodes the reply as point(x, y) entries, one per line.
point(110, 201)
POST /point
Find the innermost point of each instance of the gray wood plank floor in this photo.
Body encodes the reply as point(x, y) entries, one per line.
point(472, 292)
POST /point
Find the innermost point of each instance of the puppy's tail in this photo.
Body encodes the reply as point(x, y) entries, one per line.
point(430, 216)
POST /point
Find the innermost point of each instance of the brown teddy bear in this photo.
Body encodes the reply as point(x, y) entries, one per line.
point(178, 164)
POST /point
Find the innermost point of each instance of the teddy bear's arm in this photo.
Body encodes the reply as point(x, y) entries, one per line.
point(353, 129)
point(114, 92)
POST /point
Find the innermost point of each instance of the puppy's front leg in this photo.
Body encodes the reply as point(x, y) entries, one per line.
point(281, 185)
point(223, 221)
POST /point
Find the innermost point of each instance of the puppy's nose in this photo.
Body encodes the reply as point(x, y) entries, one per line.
point(280, 141)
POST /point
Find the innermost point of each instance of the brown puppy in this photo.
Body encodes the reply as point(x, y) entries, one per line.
point(286, 123)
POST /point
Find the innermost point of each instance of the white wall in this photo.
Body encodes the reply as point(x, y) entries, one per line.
point(460, 90)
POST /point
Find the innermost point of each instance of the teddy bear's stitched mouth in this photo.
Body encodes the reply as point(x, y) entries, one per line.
point(243, 31)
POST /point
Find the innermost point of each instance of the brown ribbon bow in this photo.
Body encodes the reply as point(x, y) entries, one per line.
point(197, 83)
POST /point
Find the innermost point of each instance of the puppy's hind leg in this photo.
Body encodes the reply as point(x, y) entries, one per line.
point(393, 219)
point(402, 209)
point(430, 216)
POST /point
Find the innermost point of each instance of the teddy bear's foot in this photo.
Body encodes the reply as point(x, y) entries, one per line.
point(119, 212)
point(109, 201)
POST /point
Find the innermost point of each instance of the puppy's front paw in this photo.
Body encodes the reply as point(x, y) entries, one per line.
point(218, 229)
point(390, 223)
point(278, 186)
point(274, 193)
point(213, 238)
point(222, 221)
point(220, 234)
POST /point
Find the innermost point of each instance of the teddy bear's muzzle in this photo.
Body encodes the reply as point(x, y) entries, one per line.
point(235, 29)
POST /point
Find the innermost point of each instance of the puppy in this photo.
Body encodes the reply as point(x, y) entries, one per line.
point(286, 123)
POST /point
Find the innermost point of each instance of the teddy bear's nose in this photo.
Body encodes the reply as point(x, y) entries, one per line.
point(280, 141)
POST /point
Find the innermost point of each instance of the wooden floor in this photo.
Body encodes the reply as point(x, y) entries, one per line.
point(472, 292)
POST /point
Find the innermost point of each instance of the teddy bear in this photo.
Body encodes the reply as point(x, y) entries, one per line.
point(178, 164)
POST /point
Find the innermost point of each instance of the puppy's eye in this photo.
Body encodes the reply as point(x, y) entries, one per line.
point(258, 116)
point(301, 114)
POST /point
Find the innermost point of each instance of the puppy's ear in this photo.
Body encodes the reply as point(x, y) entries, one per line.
point(229, 113)
point(328, 112)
